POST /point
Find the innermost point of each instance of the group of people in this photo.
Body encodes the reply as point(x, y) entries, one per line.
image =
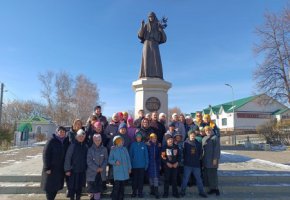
point(127, 151)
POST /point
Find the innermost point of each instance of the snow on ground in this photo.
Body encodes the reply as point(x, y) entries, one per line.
point(230, 161)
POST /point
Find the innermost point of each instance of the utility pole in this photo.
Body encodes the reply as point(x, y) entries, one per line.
point(1, 101)
point(233, 108)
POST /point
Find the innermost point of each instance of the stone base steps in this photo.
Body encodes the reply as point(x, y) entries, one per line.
point(267, 186)
point(223, 179)
point(61, 196)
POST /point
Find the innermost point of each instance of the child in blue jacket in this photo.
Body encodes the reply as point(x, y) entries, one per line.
point(139, 159)
point(120, 159)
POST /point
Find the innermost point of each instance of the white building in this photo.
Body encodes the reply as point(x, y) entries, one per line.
point(247, 113)
point(28, 130)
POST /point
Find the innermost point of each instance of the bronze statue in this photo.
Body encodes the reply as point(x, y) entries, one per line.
point(151, 35)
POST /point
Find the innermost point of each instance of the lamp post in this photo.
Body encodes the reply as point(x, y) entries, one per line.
point(233, 108)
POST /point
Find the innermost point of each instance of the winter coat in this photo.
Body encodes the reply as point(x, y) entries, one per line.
point(137, 122)
point(179, 127)
point(131, 131)
point(97, 157)
point(102, 119)
point(211, 150)
point(170, 154)
point(76, 157)
point(89, 136)
point(72, 136)
point(158, 129)
point(180, 147)
point(154, 153)
point(192, 153)
point(146, 133)
point(53, 159)
point(139, 155)
point(120, 154)
point(110, 132)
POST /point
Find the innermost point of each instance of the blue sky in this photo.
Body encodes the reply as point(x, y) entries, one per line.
point(210, 43)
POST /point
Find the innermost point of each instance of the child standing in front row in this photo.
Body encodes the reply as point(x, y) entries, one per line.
point(192, 156)
point(120, 159)
point(97, 159)
point(154, 164)
point(171, 157)
point(75, 165)
point(139, 159)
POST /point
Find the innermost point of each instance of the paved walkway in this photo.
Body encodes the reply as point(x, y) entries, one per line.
point(20, 163)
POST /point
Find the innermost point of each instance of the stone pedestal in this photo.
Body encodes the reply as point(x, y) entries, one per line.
point(151, 95)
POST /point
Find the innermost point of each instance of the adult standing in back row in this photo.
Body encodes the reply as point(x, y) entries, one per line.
point(53, 174)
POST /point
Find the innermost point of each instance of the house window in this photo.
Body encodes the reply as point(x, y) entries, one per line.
point(224, 121)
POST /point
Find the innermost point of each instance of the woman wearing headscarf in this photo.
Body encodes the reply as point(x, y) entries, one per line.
point(53, 174)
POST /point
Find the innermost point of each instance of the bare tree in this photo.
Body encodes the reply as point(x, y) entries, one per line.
point(173, 110)
point(86, 96)
point(17, 110)
point(64, 98)
point(46, 80)
point(272, 75)
point(68, 98)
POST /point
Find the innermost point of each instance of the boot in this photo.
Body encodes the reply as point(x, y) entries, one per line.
point(151, 190)
point(134, 194)
point(212, 191)
point(156, 192)
point(78, 197)
point(182, 192)
point(217, 192)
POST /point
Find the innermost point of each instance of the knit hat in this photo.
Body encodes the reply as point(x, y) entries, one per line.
point(188, 117)
point(97, 124)
point(97, 107)
point(207, 128)
point(167, 136)
point(130, 119)
point(125, 113)
point(81, 132)
point(60, 128)
point(174, 114)
point(191, 131)
point(171, 124)
point(97, 136)
point(117, 139)
point(161, 115)
point(178, 134)
point(207, 116)
point(122, 125)
point(120, 114)
point(139, 134)
point(153, 135)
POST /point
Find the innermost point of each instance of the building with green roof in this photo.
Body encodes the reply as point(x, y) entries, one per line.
point(246, 113)
point(28, 130)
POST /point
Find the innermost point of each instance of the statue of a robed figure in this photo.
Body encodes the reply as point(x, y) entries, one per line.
point(151, 35)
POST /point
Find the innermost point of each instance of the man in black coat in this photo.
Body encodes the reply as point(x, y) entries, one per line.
point(137, 122)
point(158, 127)
point(53, 161)
point(100, 117)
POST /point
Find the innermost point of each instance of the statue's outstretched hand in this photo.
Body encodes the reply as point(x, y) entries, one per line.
point(142, 23)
